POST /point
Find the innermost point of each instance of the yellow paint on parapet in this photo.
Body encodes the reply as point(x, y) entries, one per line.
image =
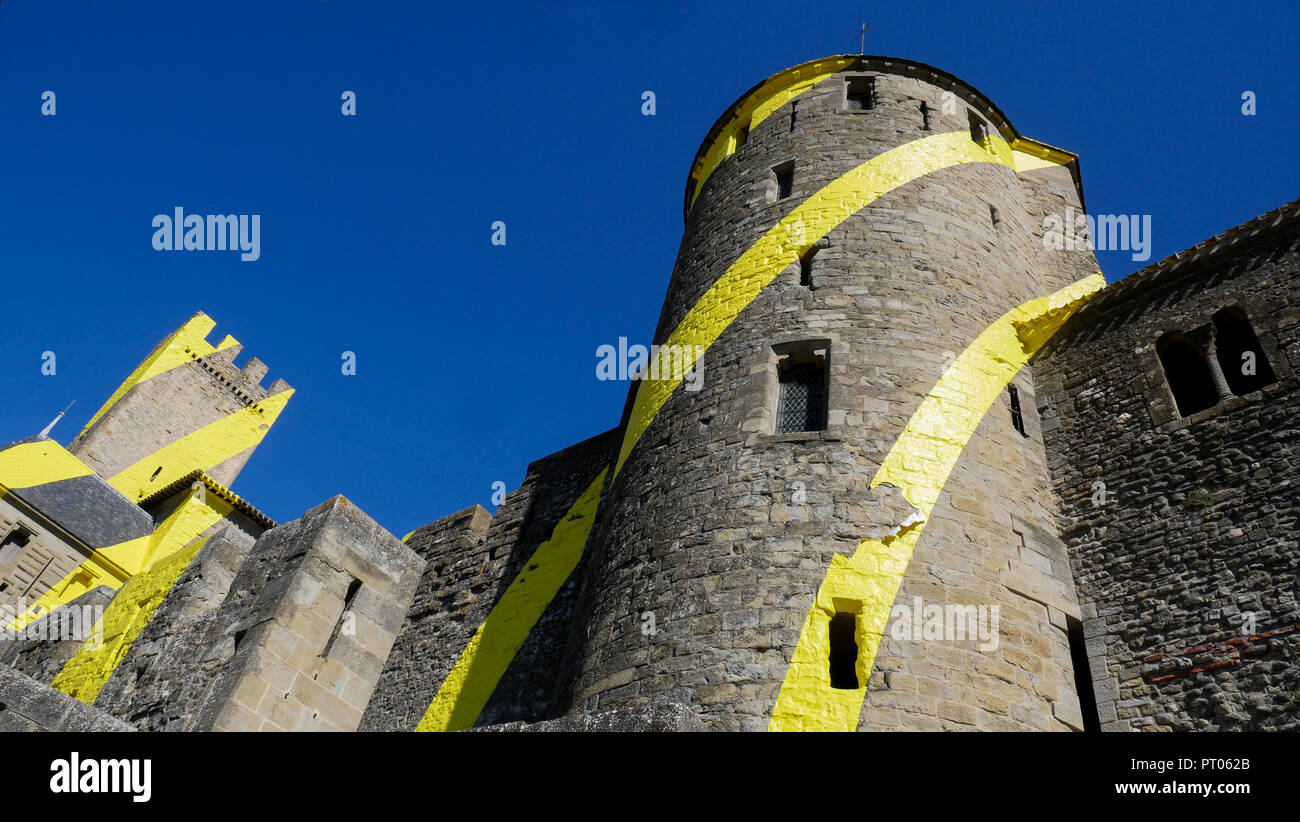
point(202, 449)
point(918, 465)
point(84, 675)
point(756, 107)
point(482, 664)
point(186, 343)
point(29, 464)
point(786, 241)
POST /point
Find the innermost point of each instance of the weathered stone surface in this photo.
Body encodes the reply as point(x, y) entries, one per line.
point(471, 559)
point(29, 705)
point(657, 718)
point(1182, 530)
point(53, 639)
point(164, 675)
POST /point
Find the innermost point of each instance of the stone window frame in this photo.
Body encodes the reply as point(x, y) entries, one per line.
point(856, 77)
point(772, 184)
point(767, 369)
point(1159, 395)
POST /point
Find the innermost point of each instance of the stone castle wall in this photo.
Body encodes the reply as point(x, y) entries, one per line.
point(1183, 529)
point(471, 557)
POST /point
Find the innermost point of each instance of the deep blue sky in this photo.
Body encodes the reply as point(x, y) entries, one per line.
point(472, 359)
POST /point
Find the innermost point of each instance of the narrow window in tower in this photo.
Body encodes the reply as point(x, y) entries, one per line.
point(1241, 357)
point(794, 113)
point(742, 137)
point(844, 651)
point(784, 175)
point(993, 216)
point(805, 267)
point(802, 405)
point(1187, 373)
point(1082, 675)
point(1017, 416)
point(979, 130)
point(860, 94)
point(353, 588)
point(925, 116)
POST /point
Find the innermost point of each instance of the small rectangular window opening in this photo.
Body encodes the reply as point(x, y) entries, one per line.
point(742, 136)
point(1017, 416)
point(844, 651)
point(861, 94)
point(784, 180)
point(925, 116)
point(993, 216)
point(1082, 676)
point(794, 113)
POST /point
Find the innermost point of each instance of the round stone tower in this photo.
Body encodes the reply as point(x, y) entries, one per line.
point(853, 225)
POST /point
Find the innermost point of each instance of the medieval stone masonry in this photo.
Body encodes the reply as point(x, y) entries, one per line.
point(937, 476)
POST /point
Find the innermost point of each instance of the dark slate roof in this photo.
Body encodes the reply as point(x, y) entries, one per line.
point(88, 508)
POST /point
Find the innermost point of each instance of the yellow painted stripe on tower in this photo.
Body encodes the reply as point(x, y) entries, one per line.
point(757, 107)
point(170, 353)
point(482, 664)
point(202, 449)
point(743, 281)
point(918, 464)
point(785, 242)
point(29, 464)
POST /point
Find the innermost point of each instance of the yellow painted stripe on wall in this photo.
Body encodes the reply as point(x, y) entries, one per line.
point(94, 571)
point(202, 449)
point(114, 565)
point(918, 464)
point(757, 107)
point(481, 665)
point(29, 464)
point(786, 241)
point(170, 353)
point(175, 543)
point(84, 675)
